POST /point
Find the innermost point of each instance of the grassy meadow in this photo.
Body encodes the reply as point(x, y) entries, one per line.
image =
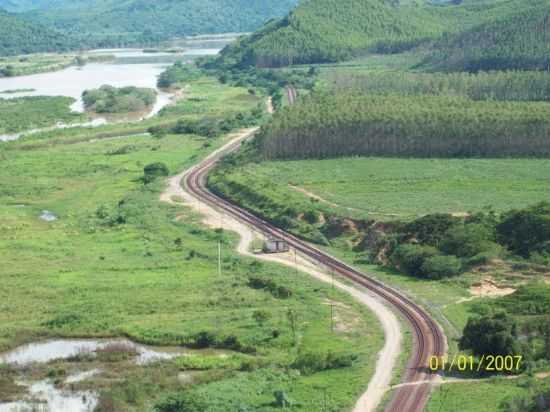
point(386, 188)
point(117, 262)
point(25, 113)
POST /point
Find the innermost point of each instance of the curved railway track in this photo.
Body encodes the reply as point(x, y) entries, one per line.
point(428, 337)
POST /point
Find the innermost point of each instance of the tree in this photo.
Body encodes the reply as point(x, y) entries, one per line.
point(439, 267)
point(467, 240)
point(431, 229)
point(491, 335)
point(410, 258)
point(153, 171)
point(523, 231)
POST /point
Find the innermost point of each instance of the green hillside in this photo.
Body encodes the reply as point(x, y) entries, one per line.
point(332, 30)
point(18, 36)
point(120, 22)
point(517, 41)
point(319, 31)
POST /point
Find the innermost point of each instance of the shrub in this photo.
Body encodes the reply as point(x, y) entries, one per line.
point(482, 258)
point(491, 335)
point(431, 229)
point(269, 285)
point(181, 402)
point(467, 240)
point(154, 170)
point(410, 257)
point(311, 362)
point(205, 339)
point(439, 267)
point(523, 231)
point(261, 316)
point(281, 399)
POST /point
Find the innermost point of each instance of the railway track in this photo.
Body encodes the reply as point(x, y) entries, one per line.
point(427, 335)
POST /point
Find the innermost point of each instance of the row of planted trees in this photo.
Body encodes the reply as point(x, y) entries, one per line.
point(351, 124)
point(494, 85)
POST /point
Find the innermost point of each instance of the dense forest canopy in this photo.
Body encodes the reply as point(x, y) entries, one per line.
point(352, 124)
point(109, 23)
point(517, 41)
point(119, 21)
point(319, 31)
point(18, 36)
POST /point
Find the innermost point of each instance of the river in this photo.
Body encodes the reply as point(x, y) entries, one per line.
point(130, 67)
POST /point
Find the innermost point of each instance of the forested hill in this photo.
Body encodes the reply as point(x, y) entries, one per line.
point(319, 31)
point(331, 30)
point(517, 41)
point(130, 20)
point(18, 36)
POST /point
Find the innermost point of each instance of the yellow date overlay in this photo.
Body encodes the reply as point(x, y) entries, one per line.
point(488, 363)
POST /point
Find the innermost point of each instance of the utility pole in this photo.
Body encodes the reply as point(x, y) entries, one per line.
point(295, 261)
point(219, 258)
point(332, 317)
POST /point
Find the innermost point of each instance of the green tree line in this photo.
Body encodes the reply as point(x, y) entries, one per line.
point(494, 85)
point(327, 125)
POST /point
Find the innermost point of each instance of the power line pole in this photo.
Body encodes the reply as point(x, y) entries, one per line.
point(295, 261)
point(219, 258)
point(332, 317)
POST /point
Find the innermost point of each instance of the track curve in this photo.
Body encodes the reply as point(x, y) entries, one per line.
point(428, 337)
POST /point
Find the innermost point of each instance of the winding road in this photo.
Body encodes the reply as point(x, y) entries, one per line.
point(428, 338)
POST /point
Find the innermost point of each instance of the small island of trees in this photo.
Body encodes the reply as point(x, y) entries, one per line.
point(108, 99)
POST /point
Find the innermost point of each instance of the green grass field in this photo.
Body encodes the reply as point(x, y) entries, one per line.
point(487, 396)
point(386, 188)
point(117, 262)
point(25, 113)
point(389, 189)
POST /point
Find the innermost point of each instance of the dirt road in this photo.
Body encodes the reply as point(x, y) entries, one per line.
point(176, 194)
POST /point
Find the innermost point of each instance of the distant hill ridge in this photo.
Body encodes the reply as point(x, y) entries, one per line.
point(18, 36)
point(161, 18)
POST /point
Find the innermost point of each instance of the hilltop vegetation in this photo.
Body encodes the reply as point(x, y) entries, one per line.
point(463, 35)
point(63, 25)
point(18, 36)
point(144, 22)
point(517, 41)
point(329, 30)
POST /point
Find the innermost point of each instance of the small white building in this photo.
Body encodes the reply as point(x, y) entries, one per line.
point(275, 245)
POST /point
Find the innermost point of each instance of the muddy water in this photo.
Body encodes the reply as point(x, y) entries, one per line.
point(43, 352)
point(43, 396)
point(131, 67)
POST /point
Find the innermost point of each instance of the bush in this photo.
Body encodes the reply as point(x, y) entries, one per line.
point(525, 231)
point(311, 362)
point(467, 240)
point(491, 335)
point(204, 340)
point(269, 285)
point(154, 170)
point(108, 99)
point(181, 402)
point(410, 257)
point(439, 267)
point(431, 229)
